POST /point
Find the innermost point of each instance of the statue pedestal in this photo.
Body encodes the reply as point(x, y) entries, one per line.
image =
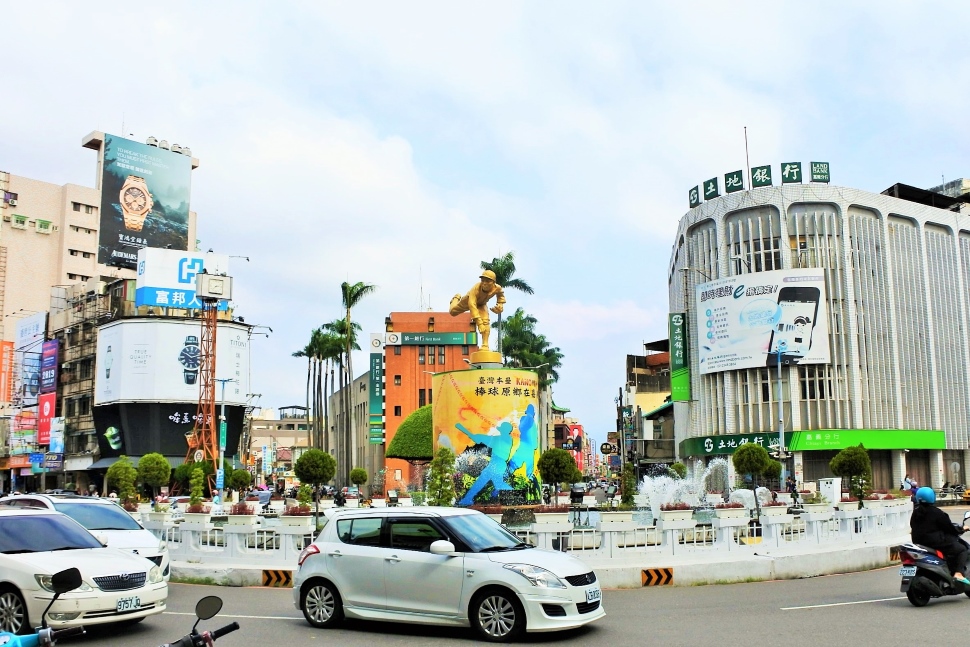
point(486, 357)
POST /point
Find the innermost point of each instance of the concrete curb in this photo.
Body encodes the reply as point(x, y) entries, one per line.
point(635, 570)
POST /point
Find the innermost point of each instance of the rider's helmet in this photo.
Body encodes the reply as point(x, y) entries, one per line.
point(925, 495)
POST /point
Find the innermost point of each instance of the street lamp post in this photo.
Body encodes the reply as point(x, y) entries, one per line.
point(782, 456)
point(221, 482)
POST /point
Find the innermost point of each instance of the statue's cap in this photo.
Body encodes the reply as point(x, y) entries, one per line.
point(488, 274)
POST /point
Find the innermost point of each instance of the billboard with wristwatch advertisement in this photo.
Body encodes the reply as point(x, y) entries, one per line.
point(156, 360)
point(139, 428)
point(144, 200)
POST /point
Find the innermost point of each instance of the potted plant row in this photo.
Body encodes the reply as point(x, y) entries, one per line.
point(299, 515)
point(774, 508)
point(242, 514)
point(730, 510)
point(196, 513)
point(676, 511)
point(848, 503)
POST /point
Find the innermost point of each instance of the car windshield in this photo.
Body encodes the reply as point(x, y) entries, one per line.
point(95, 516)
point(482, 534)
point(34, 534)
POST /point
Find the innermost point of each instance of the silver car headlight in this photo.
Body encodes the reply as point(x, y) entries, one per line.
point(155, 575)
point(537, 576)
point(46, 583)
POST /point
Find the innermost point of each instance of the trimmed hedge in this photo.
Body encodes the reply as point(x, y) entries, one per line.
point(413, 440)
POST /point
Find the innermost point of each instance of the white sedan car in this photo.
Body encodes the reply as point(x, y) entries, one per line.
point(442, 566)
point(35, 544)
point(104, 518)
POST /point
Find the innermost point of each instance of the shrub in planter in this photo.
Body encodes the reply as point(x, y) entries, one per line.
point(195, 492)
point(889, 497)
point(298, 511)
point(241, 508)
point(848, 499)
point(130, 506)
point(774, 504)
point(676, 505)
point(729, 504)
point(873, 497)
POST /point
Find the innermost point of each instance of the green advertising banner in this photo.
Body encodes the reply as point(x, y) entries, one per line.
point(728, 443)
point(679, 361)
point(375, 400)
point(439, 339)
point(869, 438)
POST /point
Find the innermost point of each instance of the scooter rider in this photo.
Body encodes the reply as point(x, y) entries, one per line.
point(933, 528)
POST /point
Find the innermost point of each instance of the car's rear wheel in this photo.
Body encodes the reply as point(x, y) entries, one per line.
point(13, 612)
point(497, 615)
point(321, 604)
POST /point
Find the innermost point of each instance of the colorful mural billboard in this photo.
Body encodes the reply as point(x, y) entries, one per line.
point(488, 418)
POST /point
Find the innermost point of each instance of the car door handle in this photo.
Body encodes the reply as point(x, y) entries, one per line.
point(335, 553)
point(393, 558)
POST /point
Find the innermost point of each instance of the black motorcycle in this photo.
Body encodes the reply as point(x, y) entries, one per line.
point(925, 573)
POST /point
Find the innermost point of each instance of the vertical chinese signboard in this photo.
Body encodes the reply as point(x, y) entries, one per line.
point(6, 371)
point(679, 363)
point(375, 406)
point(48, 366)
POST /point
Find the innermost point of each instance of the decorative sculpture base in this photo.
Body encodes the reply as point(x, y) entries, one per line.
point(486, 357)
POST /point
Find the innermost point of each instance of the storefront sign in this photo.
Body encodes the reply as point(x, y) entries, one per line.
point(728, 443)
point(868, 438)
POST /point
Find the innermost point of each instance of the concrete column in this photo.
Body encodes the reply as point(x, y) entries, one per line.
point(937, 472)
point(898, 459)
point(966, 467)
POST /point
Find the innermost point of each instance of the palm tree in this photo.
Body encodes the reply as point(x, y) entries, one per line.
point(351, 295)
point(330, 351)
point(308, 353)
point(504, 269)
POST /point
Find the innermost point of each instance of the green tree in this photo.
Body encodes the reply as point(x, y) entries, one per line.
point(413, 440)
point(679, 469)
point(853, 463)
point(240, 480)
point(154, 471)
point(351, 294)
point(628, 479)
point(441, 482)
point(752, 459)
point(195, 490)
point(121, 475)
point(504, 268)
point(358, 476)
point(773, 471)
point(315, 467)
point(557, 466)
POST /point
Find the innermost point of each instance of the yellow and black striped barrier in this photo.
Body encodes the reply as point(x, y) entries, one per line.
point(657, 576)
point(278, 578)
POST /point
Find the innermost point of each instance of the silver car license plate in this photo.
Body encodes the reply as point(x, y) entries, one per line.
point(907, 571)
point(128, 604)
point(592, 595)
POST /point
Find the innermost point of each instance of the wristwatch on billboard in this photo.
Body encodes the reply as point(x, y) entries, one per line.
point(190, 358)
point(136, 202)
point(108, 361)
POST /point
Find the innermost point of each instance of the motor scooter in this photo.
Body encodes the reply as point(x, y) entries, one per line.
point(925, 573)
point(205, 609)
point(61, 582)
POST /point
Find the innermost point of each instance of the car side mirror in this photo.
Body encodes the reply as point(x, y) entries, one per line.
point(103, 539)
point(442, 547)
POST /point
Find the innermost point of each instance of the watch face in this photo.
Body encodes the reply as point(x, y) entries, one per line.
point(134, 199)
point(189, 357)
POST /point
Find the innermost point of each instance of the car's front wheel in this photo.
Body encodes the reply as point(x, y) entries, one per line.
point(497, 615)
point(13, 612)
point(321, 604)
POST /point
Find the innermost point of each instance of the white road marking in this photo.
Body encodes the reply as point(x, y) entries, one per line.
point(842, 604)
point(229, 615)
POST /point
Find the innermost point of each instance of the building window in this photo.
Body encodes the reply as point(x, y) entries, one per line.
point(430, 354)
point(421, 401)
point(71, 408)
point(397, 410)
point(76, 206)
point(397, 350)
point(86, 372)
point(43, 226)
point(397, 475)
point(19, 222)
point(420, 354)
point(397, 380)
point(429, 395)
point(88, 209)
point(73, 252)
point(84, 406)
point(464, 350)
point(441, 354)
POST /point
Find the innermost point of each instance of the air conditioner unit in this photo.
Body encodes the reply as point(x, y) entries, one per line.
point(66, 365)
point(12, 203)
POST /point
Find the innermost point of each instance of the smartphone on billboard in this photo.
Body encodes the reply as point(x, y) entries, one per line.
point(793, 332)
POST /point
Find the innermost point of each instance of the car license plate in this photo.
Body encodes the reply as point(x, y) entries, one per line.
point(592, 595)
point(907, 571)
point(128, 604)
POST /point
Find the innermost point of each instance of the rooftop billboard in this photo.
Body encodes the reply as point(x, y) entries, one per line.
point(158, 360)
point(753, 320)
point(166, 277)
point(144, 200)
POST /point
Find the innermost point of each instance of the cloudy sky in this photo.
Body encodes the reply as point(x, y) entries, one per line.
point(400, 144)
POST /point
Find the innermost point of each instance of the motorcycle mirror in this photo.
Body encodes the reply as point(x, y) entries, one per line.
point(66, 580)
point(208, 607)
point(966, 516)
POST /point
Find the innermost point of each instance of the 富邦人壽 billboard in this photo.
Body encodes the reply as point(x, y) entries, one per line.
point(166, 277)
point(755, 319)
point(144, 200)
point(159, 360)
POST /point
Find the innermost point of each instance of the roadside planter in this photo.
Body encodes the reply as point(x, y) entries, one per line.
point(676, 514)
point(774, 510)
point(241, 514)
point(733, 512)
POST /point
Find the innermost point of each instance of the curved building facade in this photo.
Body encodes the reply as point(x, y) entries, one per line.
point(889, 364)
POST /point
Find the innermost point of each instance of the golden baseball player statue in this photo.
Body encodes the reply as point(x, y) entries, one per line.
point(476, 302)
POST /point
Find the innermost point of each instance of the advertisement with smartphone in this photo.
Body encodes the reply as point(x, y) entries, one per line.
point(761, 318)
